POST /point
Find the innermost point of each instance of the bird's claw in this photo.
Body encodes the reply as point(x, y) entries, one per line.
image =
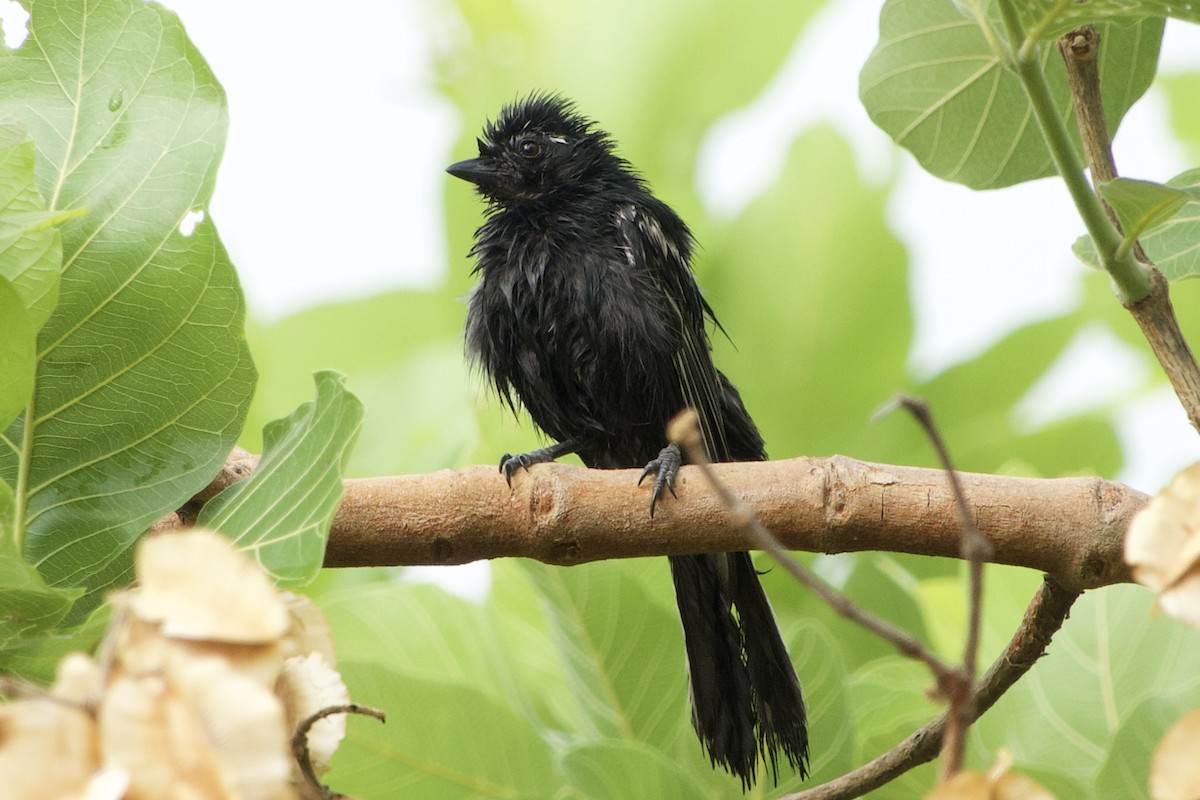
point(664, 468)
point(510, 464)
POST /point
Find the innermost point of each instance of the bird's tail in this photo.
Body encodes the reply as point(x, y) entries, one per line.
point(746, 699)
point(778, 703)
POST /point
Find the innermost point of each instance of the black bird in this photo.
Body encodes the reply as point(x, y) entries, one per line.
point(587, 314)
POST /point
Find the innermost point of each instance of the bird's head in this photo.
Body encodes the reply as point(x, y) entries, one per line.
point(537, 147)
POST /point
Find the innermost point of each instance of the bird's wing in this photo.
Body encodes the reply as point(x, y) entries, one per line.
point(664, 264)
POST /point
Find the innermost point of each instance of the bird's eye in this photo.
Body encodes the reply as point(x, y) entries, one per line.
point(530, 148)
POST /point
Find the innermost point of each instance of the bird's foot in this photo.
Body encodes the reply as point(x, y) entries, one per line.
point(510, 463)
point(664, 468)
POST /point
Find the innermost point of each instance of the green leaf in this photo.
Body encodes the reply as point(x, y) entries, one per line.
point(424, 751)
point(936, 83)
point(622, 653)
point(1174, 245)
point(35, 656)
point(30, 260)
point(617, 770)
point(806, 281)
point(1055, 17)
point(282, 513)
point(1126, 771)
point(30, 248)
point(1140, 205)
point(424, 633)
point(1072, 712)
point(889, 698)
point(30, 607)
point(18, 358)
point(143, 376)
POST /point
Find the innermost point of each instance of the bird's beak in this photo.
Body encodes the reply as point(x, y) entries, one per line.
point(478, 171)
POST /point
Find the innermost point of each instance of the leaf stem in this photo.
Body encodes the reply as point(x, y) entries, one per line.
point(1131, 279)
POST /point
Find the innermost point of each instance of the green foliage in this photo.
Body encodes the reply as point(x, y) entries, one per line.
point(30, 606)
point(124, 371)
point(30, 247)
point(1140, 205)
point(1053, 17)
point(282, 513)
point(1104, 666)
point(1171, 239)
point(142, 366)
point(938, 82)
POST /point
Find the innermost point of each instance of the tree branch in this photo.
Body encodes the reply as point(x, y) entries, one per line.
point(1153, 312)
point(1070, 528)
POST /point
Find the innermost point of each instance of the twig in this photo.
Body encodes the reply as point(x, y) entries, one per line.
point(313, 785)
point(975, 551)
point(684, 430)
point(1080, 50)
point(1045, 615)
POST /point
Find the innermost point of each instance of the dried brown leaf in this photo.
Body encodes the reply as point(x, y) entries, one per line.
point(1175, 769)
point(1162, 546)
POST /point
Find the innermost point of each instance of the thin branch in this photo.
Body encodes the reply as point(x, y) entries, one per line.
point(1080, 50)
point(1153, 312)
point(684, 430)
point(312, 784)
point(1044, 616)
point(975, 551)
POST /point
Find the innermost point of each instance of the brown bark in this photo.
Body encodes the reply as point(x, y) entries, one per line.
point(1069, 528)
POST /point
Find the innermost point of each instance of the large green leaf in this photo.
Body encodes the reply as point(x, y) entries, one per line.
point(282, 513)
point(422, 632)
point(426, 750)
point(937, 84)
point(1082, 704)
point(622, 770)
point(627, 675)
point(35, 656)
point(143, 375)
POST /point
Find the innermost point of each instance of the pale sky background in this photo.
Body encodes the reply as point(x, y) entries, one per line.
point(327, 121)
